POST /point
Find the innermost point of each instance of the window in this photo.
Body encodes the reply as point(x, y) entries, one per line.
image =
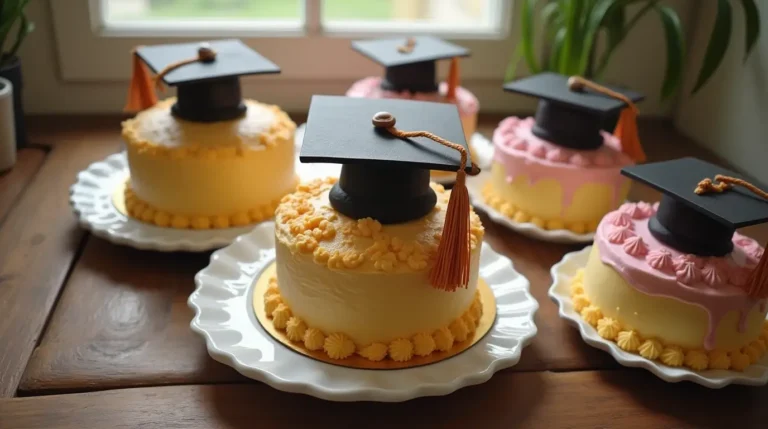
point(309, 39)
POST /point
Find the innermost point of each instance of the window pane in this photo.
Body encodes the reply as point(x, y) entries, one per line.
point(139, 10)
point(433, 13)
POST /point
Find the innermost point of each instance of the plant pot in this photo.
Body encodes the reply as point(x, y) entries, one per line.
point(12, 72)
point(7, 134)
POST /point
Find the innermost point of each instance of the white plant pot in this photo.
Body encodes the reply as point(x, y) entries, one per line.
point(7, 133)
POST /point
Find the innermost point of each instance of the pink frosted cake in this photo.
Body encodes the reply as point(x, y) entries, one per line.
point(370, 87)
point(559, 169)
point(666, 305)
point(534, 180)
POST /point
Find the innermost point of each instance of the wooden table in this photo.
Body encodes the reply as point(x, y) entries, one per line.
point(96, 335)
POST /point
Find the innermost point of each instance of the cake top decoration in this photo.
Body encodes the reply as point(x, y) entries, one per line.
point(385, 169)
point(207, 77)
point(572, 118)
point(410, 62)
point(700, 217)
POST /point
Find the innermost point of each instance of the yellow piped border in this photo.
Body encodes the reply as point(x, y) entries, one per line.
point(280, 132)
point(420, 349)
point(521, 216)
point(668, 354)
point(140, 210)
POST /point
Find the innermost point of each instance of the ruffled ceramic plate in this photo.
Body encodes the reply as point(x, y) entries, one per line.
point(475, 187)
point(479, 143)
point(224, 317)
point(93, 200)
point(563, 272)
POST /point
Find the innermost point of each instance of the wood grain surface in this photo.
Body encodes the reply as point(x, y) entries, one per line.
point(122, 320)
point(14, 181)
point(39, 240)
point(605, 399)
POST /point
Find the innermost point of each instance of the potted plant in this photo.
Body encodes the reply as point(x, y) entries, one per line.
point(571, 29)
point(14, 28)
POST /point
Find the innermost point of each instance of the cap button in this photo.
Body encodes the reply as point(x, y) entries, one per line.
point(383, 120)
point(574, 84)
point(206, 53)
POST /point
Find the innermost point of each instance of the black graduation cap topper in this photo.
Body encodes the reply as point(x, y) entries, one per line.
point(207, 76)
point(385, 170)
point(409, 62)
point(571, 118)
point(698, 223)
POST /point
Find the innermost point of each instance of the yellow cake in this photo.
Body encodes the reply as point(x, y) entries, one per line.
point(666, 305)
point(350, 286)
point(208, 174)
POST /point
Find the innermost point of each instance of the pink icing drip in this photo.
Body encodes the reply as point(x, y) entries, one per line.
point(369, 87)
point(643, 276)
point(539, 159)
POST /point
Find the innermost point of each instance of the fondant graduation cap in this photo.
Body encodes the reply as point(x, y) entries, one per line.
point(567, 116)
point(385, 169)
point(207, 77)
point(409, 62)
point(699, 223)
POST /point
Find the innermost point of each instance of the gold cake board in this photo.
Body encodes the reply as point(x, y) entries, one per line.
point(356, 361)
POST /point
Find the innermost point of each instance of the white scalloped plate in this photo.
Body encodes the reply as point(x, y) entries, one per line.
point(479, 143)
point(224, 317)
point(475, 187)
point(563, 272)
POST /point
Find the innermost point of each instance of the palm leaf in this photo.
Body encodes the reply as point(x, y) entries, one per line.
point(517, 55)
point(752, 27)
point(25, 27)
point(526, 39)
point(718, 44)
point(557, 46)
point(610, 49)
point(595, 20)
point(675, 50)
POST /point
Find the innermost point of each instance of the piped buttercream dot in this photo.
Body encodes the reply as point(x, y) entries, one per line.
point(697, 360)
point(628, 340)
point(712, 275)
point(660, 259)
point(401, 350)
point(739, 361)
point(618, 218)
point(635, 246)
point(591, 314)
point(313, 339)
point(687, 273)
point(443, 339)
point(221, 221)
point(423, 344)
point(338, 346)
point(579, 160)
point(556, 155)
point(459, 330)
point(578, 227)
point(672, 356)
point(719, 359)
point(539, 152)
point(201, 222)
point(753, 353)
point(374, 352)
point(280, 316)
point(620, 234)
point(650, 349)
point(580, 302)
point(519, 144)
point(162, 219)
point(240, 219)
point(295, 329)
point(271, 302)
point(608, 328)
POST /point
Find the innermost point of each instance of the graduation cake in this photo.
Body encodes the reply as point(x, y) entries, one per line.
point(675, 282)
point(410, 73)
point(559, 170)
point(206, 158)
point(380, 263)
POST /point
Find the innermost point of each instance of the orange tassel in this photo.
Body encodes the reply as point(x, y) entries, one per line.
point(451, 269)
point(757, 286)
point(453, 79)
point(626, 132)
point(141, 92)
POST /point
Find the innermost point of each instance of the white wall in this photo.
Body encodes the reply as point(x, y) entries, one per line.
point(730, 114)
point(638, 64)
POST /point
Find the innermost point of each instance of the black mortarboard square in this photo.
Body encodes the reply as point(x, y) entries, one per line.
point(692, 223)
point(566, 117)
point(382, 176)
point(413, 70)
point(207, 91)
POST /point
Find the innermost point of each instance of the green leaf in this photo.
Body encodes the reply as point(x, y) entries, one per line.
point(675, 50)
point(752, 27)
point(25, 27)
point(526, 38)
point(10, 12)
point(594, 22)
point(718, 44)
point(566, 64)
point(611, 49)
point(557, 46)
point(517, 55)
